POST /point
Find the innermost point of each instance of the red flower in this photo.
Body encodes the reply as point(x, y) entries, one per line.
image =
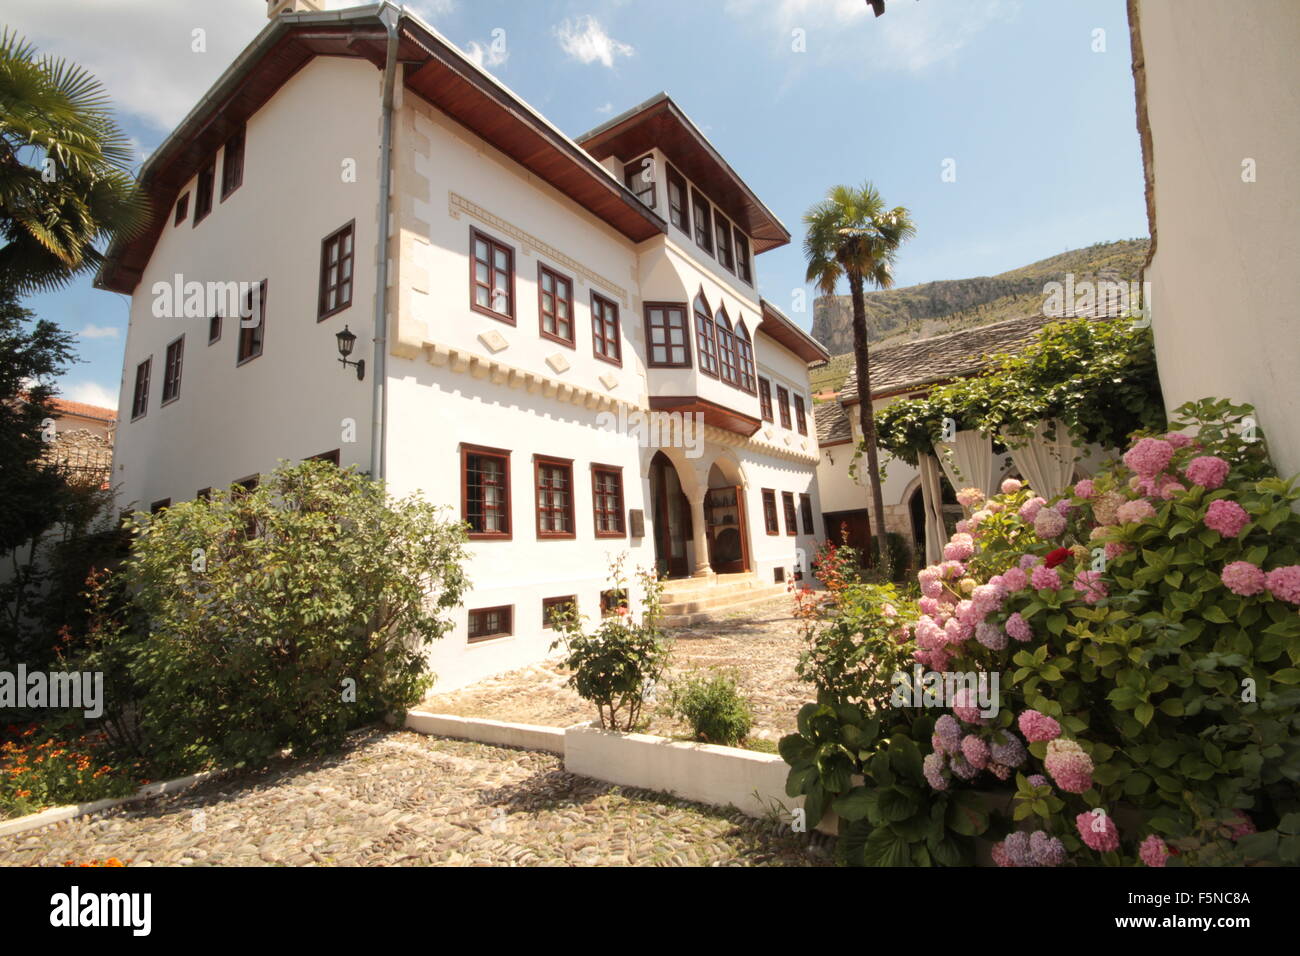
point(1059, 556)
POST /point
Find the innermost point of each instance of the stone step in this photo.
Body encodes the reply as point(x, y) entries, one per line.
point(755, 597)
point(692, 589)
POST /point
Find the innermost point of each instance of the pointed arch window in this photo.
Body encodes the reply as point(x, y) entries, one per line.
point(707, 345)
point(745, 357)
point(726, 347)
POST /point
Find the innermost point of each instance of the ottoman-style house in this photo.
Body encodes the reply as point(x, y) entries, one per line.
point(556, 318)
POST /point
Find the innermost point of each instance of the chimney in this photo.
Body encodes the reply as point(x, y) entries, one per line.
point(276, 7)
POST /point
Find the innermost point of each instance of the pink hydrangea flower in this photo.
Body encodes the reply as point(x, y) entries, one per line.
point(1107, 507)
point(1244, 827)
point(991, 636)
point(1084, 488)
point(1169, 490)
point(965, 705)
point(1226, 517)
point(994, 507)
point(1036, 726)
point(932, 767)
point(1208, 471)
point(928, 606)
point(1133, 512)
point(1114, 549)
point(970, 498)
point(1243, 578)
point(1091, 586)
point(1045, 579)
point(963, 526)
point(1048, 523)
point(1153, 851)
point(1098, 831)
point(1149, 457)
point(976, 751)
point(1069, 765)
point(1018, 628)
point(1015, 579)
point(959, 548)
point(1029, 561)
point(1284, 583)
point(1010, 486)
point(1029, 510)
point(1178, 439)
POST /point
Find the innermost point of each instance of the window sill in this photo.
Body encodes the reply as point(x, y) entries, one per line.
point(333, 312)
point(499, 316)
point(490, 536)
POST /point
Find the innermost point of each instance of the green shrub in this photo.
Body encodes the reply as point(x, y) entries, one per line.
point(852, 651)
point(616, 665)
point(282, 616)
point(713, 708)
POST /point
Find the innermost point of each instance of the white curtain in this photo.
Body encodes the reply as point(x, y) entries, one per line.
point(932, 500)
point(968, 461)
point(1048, 465)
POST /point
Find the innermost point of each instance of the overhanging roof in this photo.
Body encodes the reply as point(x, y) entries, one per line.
point(777, 325)
point(659, 122)
point(719, 416)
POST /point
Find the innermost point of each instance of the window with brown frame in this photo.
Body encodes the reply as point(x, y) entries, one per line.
point(783, 405)
point(552, 607)
point(703, 222)
point(639, 176)
point(252, 324)
point(555, 305)
point(232, 164)
point(805, 513)
point(765, 399)
point(791, 516)
point(182, 209)
point(800, 415)
point(329, 456)
point(203, 193)
point(607, 500)
point(203, 494)
point(486, 623)
point(722, 229)
point(726, 347)
point(769, 512)
point(214, 329)
point(238, 490)
point(485, 491)
point(612, 601)
point(172, 371)
point(667, 335)
point(336, 258)
point(743, 267)
point(553, 481)
point(678, 211)
point(705, 342)
point(140, 398)
point(492, 277)
point(745, 358)
point(604, 330)
point(158, 506)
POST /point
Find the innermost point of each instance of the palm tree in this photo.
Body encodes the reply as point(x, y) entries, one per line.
point(66, 184)
point(852, 235)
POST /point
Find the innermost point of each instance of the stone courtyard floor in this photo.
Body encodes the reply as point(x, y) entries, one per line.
point(759, 644)
point(394, 797)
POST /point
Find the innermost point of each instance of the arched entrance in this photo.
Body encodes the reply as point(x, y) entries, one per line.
point(670, 514)
point(724, 519)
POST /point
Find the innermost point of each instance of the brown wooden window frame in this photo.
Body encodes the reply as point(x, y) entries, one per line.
point(173, 365)
point(632, 173)
point(744, 265)
point(557, 279)
point(203, 190)
point(706, 341)
point(182, 209)
point(505, 614)
point(214, 329)
point(771, 521)
point(541, 465)
point(665, 308)
point(203, 494)
point(726, 254)
point(806, 513)
point(331, 279)
point(702, 215)
point(505, 510)
point(330, 456)
point(232, 162)
point(783, 405)
point(251, 341)
point(800, 415)
point(679, 215)
point(160, 505)
point(765, 400)
point(791, 513)
point(600, 335)
point(727, 371)
point(746, 371)
point(550, 604)
point(475, 236)
point(140, 393)
point(617, 512)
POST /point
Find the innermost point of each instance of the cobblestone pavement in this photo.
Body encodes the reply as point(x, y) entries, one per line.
point(400, 798)
point(761, 645)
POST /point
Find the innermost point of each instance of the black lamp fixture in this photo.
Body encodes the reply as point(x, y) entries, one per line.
point(346, 340)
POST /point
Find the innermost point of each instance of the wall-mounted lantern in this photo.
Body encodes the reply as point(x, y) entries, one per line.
point(346, 341)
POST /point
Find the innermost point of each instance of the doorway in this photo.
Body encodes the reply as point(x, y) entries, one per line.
point(671, 518)
point(724, 519)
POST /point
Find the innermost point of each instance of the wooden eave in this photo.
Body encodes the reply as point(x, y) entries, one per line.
point(719, 416)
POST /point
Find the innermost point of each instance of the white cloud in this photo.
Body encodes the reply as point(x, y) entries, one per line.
point(91, 393)
point(606, 109)
point(93, 331)
point(586, 41)
point(494, 54)
point(426, 10)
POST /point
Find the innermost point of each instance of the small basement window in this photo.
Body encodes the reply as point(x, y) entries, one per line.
point(486, 623)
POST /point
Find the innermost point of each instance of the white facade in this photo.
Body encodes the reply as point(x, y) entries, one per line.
point(456, 376)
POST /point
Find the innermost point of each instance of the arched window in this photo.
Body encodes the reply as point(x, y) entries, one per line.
point(726, 347)
point(745, 357)
point(707, 347)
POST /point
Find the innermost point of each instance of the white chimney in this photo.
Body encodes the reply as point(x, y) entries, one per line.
point(276, 7)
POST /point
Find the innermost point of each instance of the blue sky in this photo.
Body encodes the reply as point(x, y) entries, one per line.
point(1031, 102)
